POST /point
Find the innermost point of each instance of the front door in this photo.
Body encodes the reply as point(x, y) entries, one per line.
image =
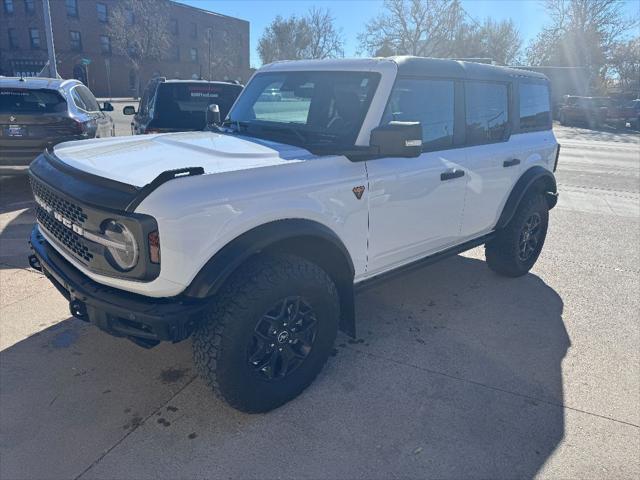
point(416, 204)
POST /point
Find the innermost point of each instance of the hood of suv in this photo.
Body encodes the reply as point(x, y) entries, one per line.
point(138, 160)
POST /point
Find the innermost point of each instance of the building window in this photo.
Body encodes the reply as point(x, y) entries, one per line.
point(34, 37)
point(176, 53)
point(535, 111)
point(130, 18)
point(101, 9)
point(72, 7)
point(75, 41)
point(8, 7)
point(105, 44)
point(173, 26)
point(13, 38)
point(29, 7)
point(194, 30)
point(487, 112)
point(429, 102)
point(194, 55)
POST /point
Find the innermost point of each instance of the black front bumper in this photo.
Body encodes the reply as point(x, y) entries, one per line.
point(145, 320)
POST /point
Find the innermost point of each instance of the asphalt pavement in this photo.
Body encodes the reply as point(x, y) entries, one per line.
point(456, 372)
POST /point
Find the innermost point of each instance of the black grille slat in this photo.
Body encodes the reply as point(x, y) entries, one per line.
point(72, 241)
point(69, 210)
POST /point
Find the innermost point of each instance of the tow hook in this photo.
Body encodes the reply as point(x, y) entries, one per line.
point(35, 263)
point(78, 310)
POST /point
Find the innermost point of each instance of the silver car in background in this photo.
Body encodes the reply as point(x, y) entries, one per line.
point(38, 113)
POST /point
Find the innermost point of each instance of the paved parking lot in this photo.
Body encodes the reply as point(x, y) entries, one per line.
point(456, 373)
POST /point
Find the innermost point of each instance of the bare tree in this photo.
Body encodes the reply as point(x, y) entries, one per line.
point(582, 33)
point(414, 27)
point(438, 28)
point(500, 41)
point(311, 36)
point(224, 54)
point(140, 30)
point(325, 41)
point(624, 64)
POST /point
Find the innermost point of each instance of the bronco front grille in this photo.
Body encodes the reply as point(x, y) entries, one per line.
point(67, 237)
point(69, 210)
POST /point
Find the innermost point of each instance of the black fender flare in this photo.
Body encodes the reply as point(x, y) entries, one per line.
point(537, 178)
point(305, 238)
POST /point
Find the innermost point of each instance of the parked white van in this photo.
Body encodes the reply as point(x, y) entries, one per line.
point(253, 237)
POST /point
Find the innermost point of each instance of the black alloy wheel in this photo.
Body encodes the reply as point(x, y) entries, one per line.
point(529, 237)
point(282, 338)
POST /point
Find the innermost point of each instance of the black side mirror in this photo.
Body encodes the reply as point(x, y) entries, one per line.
point(397, 139)
point(107, 107)
point(129, 110)
point(213, 115)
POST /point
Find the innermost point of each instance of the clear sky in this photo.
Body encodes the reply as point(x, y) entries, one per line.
point(351, 15)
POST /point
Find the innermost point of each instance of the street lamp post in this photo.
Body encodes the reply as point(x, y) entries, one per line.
point(53, 68)
point(209, 35)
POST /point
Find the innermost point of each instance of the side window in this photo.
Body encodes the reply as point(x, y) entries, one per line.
point(77, 99)
point(535, 111)
point(487, 112)
point(87, 97)
point(430, 102)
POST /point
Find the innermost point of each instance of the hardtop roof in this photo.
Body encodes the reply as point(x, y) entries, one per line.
point(36, 82)
point(408, 65)
point(439, 67)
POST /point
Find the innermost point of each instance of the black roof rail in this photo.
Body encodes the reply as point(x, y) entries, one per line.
point(159, 180)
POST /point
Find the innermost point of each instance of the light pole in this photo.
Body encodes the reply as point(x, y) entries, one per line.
point(209, 35)
point(53, 68)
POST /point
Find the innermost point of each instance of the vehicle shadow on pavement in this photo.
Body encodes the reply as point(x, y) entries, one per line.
point(456, 373)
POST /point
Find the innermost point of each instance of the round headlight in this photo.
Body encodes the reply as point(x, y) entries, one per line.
point(122, 249)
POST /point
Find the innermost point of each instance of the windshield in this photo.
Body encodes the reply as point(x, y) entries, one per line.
point(305, 107)
point(183, 105)
point(23, 100)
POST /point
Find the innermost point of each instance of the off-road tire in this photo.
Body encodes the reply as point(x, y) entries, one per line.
point(503, 253)
point(220, 343)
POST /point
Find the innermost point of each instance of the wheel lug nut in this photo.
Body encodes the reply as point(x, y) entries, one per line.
point(273, 345)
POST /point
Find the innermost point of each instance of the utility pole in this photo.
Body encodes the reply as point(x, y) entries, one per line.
point(53, 68)
point(209, 35)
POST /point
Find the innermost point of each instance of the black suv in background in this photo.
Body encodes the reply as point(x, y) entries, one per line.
point(38, 113)
point(180, 105)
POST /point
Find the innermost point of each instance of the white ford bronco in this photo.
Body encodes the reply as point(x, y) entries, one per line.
point(325, 176)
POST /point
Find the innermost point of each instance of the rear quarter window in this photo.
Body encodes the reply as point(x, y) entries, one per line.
point(535, 108)
point(24, 100)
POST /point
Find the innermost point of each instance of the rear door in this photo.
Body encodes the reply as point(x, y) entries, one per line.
point(492, 161)
point(416, 203)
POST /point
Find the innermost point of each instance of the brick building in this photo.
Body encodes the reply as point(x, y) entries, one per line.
point(201, 42)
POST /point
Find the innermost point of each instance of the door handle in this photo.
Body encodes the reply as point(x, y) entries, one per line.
point(511, 163)
point(451, 174)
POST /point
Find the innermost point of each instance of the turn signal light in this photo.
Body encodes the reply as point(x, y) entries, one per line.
point(154, 247)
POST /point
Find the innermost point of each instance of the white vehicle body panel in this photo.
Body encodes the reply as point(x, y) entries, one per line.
point(489, 183)
point(413, 213)
point(138, 160)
